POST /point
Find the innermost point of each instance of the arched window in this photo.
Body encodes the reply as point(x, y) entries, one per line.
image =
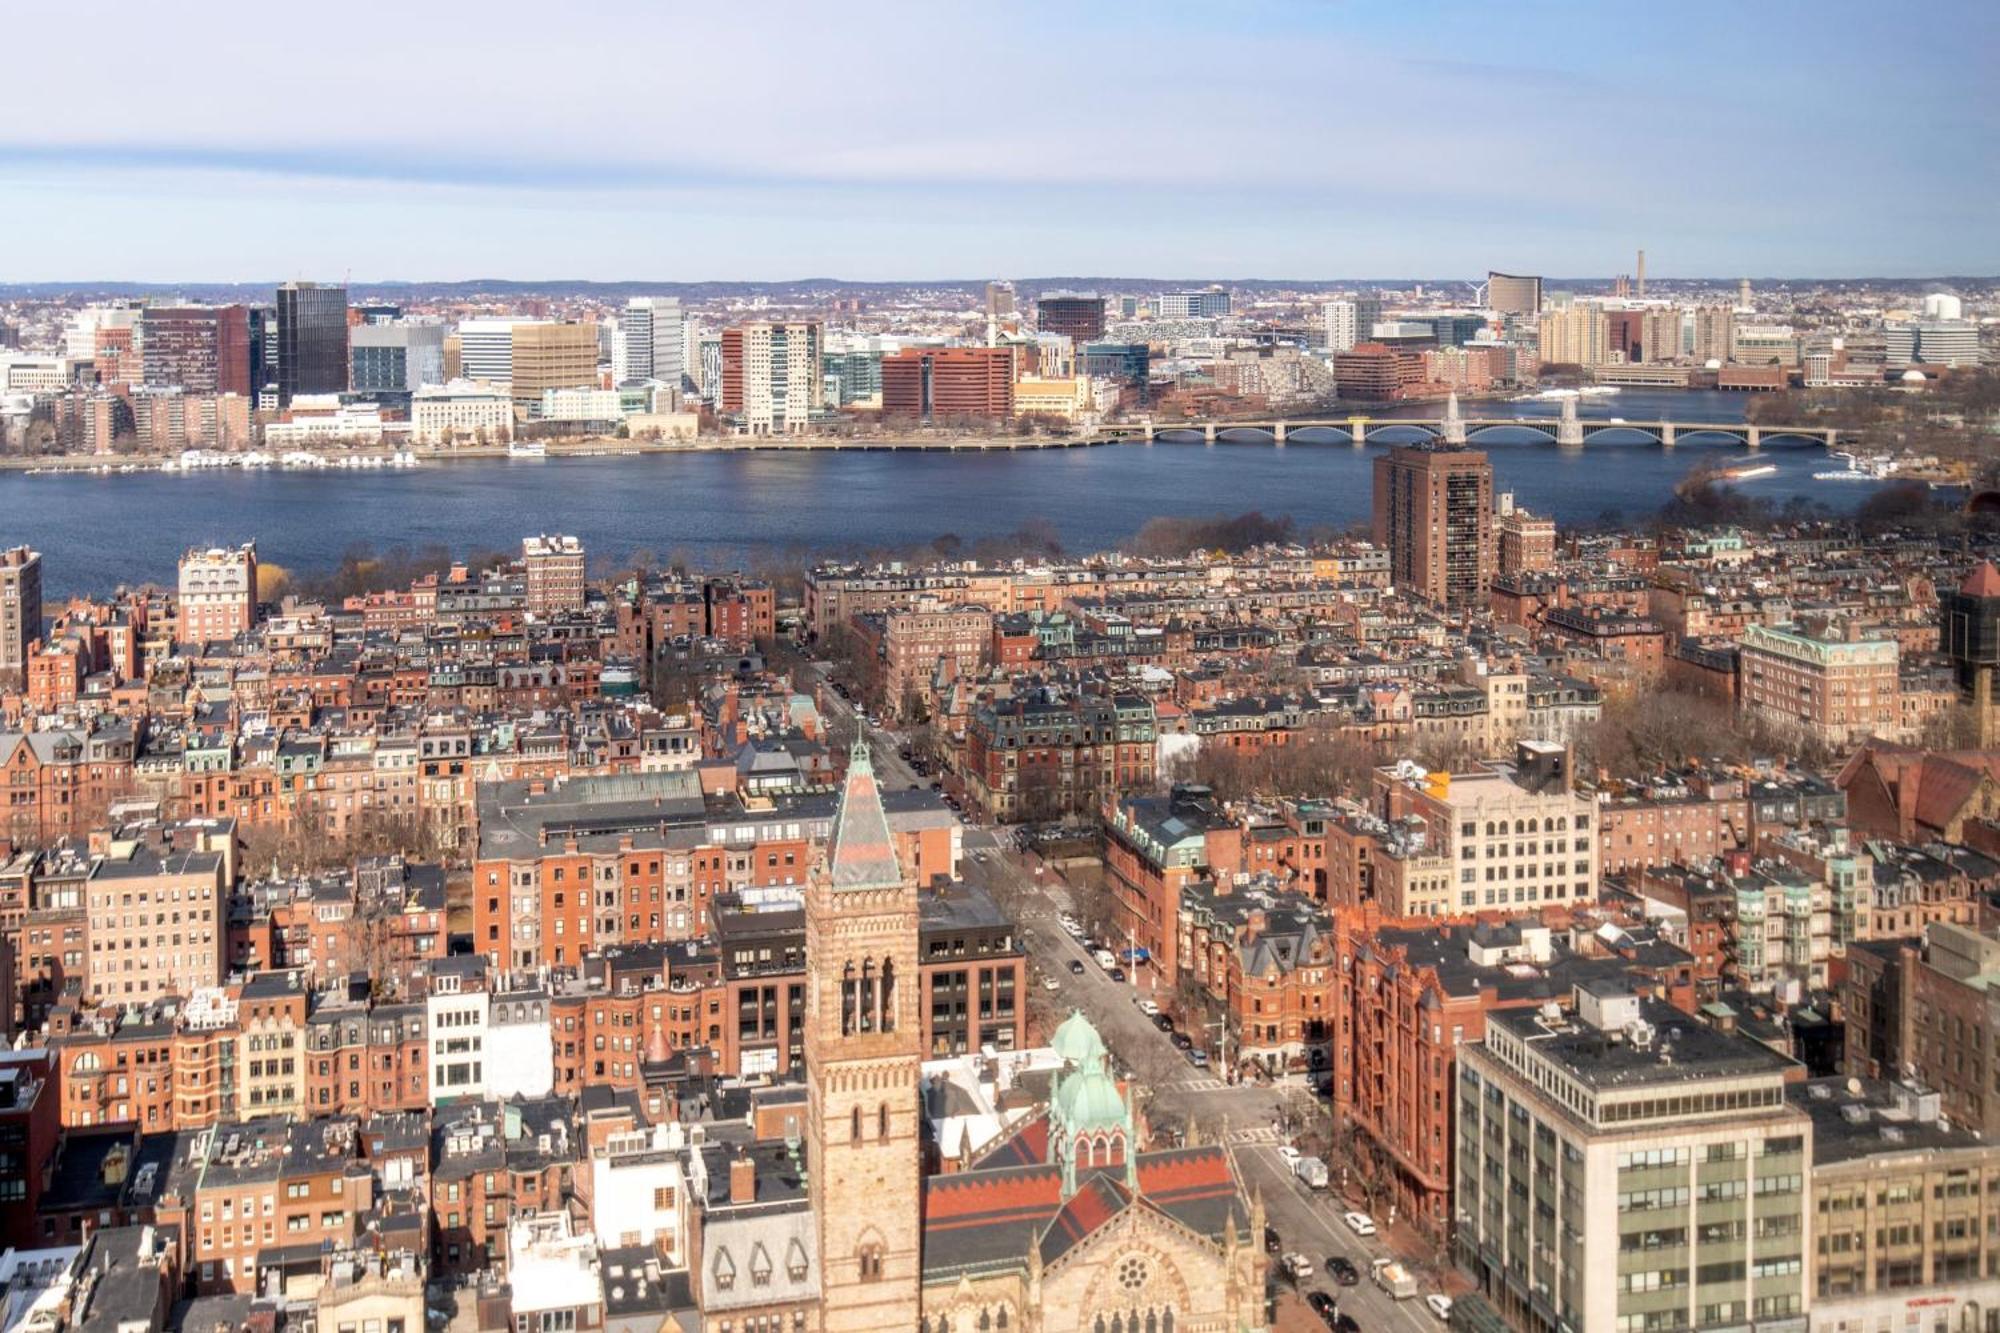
point(1167, 1321)
point(888, 996)
point(1002, 1319)
point(870, 1262)
point(856, 1136)
point(882, 1122)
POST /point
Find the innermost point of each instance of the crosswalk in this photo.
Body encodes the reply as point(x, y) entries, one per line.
point(1254, 1134)
point(1198, 1085)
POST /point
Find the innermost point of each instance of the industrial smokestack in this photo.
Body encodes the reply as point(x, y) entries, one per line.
point(1642, 273)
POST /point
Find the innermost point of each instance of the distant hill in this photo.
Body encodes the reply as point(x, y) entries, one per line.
point(809, 288)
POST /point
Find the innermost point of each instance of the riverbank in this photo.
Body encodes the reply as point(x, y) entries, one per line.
point(105, 464)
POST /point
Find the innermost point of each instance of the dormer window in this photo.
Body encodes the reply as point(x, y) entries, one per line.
point(724, 1271)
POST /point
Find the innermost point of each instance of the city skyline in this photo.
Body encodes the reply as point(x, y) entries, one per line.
point(1442, 142)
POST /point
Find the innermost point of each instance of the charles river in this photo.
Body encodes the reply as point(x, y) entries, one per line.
point(728, 508)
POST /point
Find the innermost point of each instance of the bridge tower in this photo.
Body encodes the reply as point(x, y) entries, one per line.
point(1358, 428)
point(1150, 428)
point(1830, 434)
point(1454, 423)
point(1569, 430)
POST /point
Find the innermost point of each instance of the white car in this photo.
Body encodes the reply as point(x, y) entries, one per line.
point(1361, 1224)
point(1148, 1008)
point(1289, 1153)
point(1050, 983)
point(1440, 1306)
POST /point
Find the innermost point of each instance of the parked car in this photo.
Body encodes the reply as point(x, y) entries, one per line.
point(1439, 1306)
point(1198, 1058)
point(1361, 1224)
point(1297, 1267)
point(1050, 983)
point(1075, 968)
point(1342, 1270)
point(1323, 1305)
point(1163, 1022)
point(1147, 1007)
point(1271, 1245)
point(1117, 974)
point(1181, 1039)
point(1290, 1154)
point(1346, 1323)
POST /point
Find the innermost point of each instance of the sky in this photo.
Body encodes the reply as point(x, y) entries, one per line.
point(209, 141)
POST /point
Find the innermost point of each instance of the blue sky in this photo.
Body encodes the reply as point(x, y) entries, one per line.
point(614, 139)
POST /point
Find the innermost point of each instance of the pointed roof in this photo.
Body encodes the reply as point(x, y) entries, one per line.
point(1982, 582)
point(861, 854)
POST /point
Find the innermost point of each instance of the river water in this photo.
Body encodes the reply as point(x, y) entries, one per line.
point(728, 508)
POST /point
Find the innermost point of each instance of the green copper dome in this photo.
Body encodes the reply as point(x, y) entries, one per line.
point(1089, 1100)
point(1076, 1042)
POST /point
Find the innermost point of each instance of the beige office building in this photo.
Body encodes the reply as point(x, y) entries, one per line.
point(551, 356)
point(1623, 1168)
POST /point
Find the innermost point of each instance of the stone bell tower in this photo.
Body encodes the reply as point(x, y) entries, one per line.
point(863, 1045)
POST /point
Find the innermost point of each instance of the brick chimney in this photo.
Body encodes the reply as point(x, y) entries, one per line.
point(742, 1179)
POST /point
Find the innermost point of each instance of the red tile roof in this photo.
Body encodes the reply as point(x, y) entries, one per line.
point(1982, 582)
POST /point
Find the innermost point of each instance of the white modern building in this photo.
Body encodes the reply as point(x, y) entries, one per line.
point(456, 1018)
point(639, 1192)
point(1948, 342)
point(1341, 331)
point(486, 348)
point(1209, 303)
point(520, 1052)
point(654, 339)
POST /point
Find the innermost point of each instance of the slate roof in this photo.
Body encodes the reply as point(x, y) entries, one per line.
point(861, 852)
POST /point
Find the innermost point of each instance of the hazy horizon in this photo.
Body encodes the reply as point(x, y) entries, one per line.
point(256, 142)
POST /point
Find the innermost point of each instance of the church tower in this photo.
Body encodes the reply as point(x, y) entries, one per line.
point(863, 1046)
point(1971, 639)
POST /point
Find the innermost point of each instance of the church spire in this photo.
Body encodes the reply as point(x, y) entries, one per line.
point(862, 853)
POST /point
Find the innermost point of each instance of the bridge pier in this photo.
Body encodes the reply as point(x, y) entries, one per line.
point(1358, 428)
point(1569, 430)
point(1751, 437)
point(1278, 434)
point(1666, 434)
point(1208, 433)
point(1149, 432)
point(1830, 434)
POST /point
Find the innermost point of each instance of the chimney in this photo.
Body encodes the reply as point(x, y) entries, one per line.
point(742, 1179)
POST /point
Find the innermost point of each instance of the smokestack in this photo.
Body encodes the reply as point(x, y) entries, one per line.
point(1642, 273)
